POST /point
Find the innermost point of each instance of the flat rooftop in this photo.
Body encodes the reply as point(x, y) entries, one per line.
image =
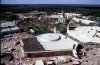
point(56, 41)
point(86, 34)
point(48, 42)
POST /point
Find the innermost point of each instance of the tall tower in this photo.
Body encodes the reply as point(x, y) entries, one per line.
point(63, 14)
point(63, 17)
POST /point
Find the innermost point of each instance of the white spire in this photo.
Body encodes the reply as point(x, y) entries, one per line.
point(62, 11)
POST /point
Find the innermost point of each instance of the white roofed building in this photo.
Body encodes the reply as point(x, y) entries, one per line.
point(86, 34)
point(84, 21)
point(55, 41)
point(12, 30)
point(58, 17)
point(6, 24)
point(70, 14)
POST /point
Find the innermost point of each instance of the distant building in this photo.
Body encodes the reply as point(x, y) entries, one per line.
point(61, 18)
point(11, 30)
point(8, 24)
point(84, 21)
point(70, 14)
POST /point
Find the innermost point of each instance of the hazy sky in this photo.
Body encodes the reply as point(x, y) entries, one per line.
point(50, 1)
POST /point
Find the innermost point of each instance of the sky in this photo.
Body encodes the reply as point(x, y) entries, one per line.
point(50, 1)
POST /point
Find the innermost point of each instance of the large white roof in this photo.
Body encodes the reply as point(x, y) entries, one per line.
point(85, 34)
point(55, 41)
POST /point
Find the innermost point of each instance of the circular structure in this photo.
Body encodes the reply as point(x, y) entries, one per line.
point(49, 37)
